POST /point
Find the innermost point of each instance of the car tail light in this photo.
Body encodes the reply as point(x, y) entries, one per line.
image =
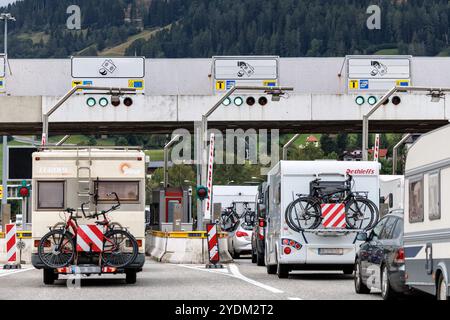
point(400, 256)
point(287, 250)
point(262, 223)
point(241, 234)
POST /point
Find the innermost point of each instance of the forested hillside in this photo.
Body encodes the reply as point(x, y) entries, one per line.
point(202, 28)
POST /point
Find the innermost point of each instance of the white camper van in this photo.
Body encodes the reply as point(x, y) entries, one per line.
point(320, 247)
point(87, 177)
point(392, 193)
point(427, 213)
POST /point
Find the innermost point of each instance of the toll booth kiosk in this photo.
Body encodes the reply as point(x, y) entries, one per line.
point(172, 209)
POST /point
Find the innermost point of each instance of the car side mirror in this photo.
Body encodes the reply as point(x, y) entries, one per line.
point(362, 236)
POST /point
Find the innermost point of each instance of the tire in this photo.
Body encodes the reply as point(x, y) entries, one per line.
point(236, 255)
point(49, 276)
point(260, 259)
point(304, 209)
point(271, 269)
point(120, 249)
point(441, 290)
point(360, 213)
point(52, 256)
point(253, 257)
point(130, 276)
point(360, 287)
point(386, 290)
point(282, 271)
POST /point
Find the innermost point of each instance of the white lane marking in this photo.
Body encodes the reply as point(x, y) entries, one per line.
point(236, 273)
point(9, 272)
point(294, 298)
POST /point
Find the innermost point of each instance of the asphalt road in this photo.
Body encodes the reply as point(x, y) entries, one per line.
point(237, 281)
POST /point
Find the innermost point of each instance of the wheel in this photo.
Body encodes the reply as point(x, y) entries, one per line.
point(253, 257)
point(120, 248)
point(49, 276)
point(57, 249)
point(360, 287)
point(130, 276)
point(303, 213)
point(271, 269)
point(236, 255)
point(441, 292)
point(386, 290)
point(360, 214)
point(348, 270)
point(259, 259)
point(282, 271)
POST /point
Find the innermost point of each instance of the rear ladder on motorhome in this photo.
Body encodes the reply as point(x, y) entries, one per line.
point(84, 180)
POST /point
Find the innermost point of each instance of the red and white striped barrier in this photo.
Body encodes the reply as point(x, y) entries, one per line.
point(210, 177)
point(213, 243)
point(333, 215)
point(376, 151)
point(11, 249)
point(89, 238)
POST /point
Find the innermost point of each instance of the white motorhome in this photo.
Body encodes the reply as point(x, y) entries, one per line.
point(392, 193)
point(427, 213)
point(319, 248)
point(68, 177)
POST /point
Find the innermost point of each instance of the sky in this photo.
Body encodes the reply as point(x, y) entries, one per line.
point(6, 2)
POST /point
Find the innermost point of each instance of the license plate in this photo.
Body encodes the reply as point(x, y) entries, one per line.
point(331, 252)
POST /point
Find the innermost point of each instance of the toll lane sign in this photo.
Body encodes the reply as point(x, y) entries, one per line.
point(232, 71)
point(377, 73)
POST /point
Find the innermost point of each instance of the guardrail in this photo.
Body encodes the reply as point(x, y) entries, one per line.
point(185, 234)
point(19, 235)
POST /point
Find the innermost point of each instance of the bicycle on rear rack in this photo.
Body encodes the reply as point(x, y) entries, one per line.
point(57, 248)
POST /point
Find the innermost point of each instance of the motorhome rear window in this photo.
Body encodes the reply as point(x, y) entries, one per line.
point(126, 190)
point(416, 200)
point(50, 195)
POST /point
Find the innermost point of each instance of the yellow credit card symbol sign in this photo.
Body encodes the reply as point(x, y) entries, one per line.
point(269, 83)
point(1, 192)
point(76, 83)
point(220, 85)
point(353, 84)
point(402, 83)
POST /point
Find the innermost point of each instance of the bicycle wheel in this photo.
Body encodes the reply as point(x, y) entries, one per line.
point(359, 213)
point(119, 248)
point(376, 215)
point(303, 213)
point(57, 249)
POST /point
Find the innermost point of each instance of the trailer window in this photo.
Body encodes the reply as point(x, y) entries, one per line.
point(416, 200)
point(126, 190)
point(50, 195)
point(434, 192)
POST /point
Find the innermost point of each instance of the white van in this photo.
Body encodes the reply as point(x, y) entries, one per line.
point(318, 248)
point(427, 213)
point(68, 177)
point(392, 193)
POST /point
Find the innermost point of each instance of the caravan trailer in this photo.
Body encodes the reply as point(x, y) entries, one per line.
point(427, 214)
point(68, 177)
point(321, 248)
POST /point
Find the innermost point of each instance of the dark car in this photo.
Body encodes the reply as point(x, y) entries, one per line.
point(380, 262)
point(258, 234)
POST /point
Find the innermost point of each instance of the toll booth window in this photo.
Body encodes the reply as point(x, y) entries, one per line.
point(126, 190)
point(434, 195)
point(50, 195)
point(416, 200)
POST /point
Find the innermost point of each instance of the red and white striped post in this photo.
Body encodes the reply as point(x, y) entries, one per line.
point(376, 149)
point(11, 247)
point(210, 178)
point(213, 246)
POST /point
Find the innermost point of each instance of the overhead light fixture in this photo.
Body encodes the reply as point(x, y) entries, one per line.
point(262, 101)
point(238, 101)
point(226, 102)
point(372, 100)
point(103, 102)
point(250, 101)
point(128, 102)
point(396, 100)
point(115, 100)
point(91, 102)
point(360, 100)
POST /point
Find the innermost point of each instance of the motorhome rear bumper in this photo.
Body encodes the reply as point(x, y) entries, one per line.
point(137, 264)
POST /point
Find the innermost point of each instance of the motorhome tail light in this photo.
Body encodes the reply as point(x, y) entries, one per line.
point(139, 159)
point(38, 158)
point(139, 243)
point(46, 243)
point(241, 234)
point(400, 256)
point(130, 245)
point(292, 244)
point(286, 241)
point(298, 246)
point(287, 250)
